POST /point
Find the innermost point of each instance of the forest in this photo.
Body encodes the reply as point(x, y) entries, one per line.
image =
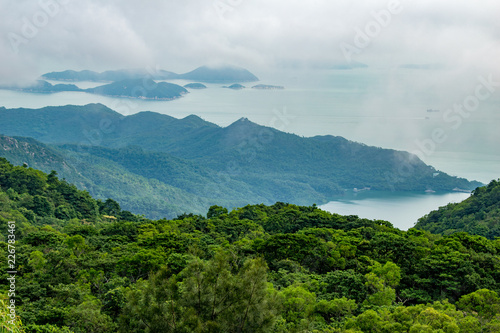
point(86, 265)
point(479, 214)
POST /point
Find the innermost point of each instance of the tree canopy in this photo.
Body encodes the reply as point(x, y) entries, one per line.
point(85, 265)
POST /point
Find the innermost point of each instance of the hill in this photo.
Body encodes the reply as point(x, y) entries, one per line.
point(235, 86)
point(86, 265)
point(104, 178)
point(479, 214)
point(222, 74)
point(266, 165)
point(144, 88)
point(140, 88)
point(113, 75)
point(41, 86)
point(195, 86)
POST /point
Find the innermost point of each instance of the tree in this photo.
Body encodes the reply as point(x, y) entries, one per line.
point(216, 211)
point(209, 296)
point(485, 303)
point(109, 207)
point(382, 280)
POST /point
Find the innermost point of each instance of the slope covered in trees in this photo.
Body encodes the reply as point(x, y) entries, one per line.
point(479, 214)
point(275, 165)
point(104, 178)
point(85, 265)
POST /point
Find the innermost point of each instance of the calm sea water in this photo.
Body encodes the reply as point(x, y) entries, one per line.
point(401, 209)
point(385, 109)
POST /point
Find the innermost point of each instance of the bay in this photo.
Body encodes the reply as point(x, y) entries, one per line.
point(402, 209)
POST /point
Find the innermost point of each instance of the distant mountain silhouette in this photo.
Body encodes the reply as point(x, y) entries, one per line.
point(221, 74)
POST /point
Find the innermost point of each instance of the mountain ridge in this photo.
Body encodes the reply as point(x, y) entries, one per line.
point(207, 74)
point(267, 165)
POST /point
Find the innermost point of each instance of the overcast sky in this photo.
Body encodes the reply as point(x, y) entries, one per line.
point(50, 35)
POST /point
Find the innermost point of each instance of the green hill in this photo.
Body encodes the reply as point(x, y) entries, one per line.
point(269, 165)
point(86, 265)
point(104, 178)
point(479, 214)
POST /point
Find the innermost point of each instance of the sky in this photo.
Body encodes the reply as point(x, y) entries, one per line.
point(266, 37)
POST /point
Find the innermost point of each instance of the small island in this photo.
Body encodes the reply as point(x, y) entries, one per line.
point(268, 87)
point(195, 86)
point(140, 88)
point(235, 86)
point(41, 86)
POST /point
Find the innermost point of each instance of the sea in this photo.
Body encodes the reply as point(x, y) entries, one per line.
point(401, 109)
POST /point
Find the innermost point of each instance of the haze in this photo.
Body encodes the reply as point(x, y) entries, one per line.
point(259, 35)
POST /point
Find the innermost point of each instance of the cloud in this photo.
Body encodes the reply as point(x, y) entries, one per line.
point(257, 34)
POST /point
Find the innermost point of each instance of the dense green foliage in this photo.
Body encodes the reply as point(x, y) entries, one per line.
point(103, 178)
point(479, 214)
point(85, 265)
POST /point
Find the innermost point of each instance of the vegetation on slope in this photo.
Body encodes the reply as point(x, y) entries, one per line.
point(85, 265)
point(104, 178)
point(479, 214)
point(274, 165)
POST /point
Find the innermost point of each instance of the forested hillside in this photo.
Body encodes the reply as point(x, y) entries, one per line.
point(85, 265)
point(104, 179)
point(264, 164)
point(479, 214)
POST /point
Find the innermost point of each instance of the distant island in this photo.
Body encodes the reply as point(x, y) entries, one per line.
point(108, 76)
point(222, 74)
point(235, 86)
point(41, 86)
point(268, 87)
point(195, 86)
point(140, 88)
point(219, 74)
point(131, 88)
